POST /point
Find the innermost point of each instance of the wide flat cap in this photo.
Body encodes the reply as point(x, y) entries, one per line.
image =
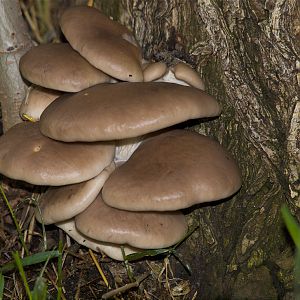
point(112, 250)
point(25, 154)
point(145, 230)
point(59, 67)
point(172, 171)
point(61, 203)
point(107, 45)
point(124, 110)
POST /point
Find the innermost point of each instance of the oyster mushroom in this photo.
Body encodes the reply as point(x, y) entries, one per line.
point(37, 99)
point(145, 230)
point(126, 109)
point(106, 44)
point(172, 171)
point(112, 250)
point(61, 203)
point(25, 154)
point(59, 67)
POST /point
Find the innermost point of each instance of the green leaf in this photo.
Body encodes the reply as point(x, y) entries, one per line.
point(164, 251)
point(22, 273)
point(40, 289)
point(152, 252)
point(59, 270)
point(1, 286)
point(182, 262)
point(292, 225)
point(30, 260)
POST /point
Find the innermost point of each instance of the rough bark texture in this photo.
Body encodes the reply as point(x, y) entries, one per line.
point(14, 42)
point(247, 53)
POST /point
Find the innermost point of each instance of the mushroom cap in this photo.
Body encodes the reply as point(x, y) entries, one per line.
point(154, 70)
point(187, 74)
point(59, 67)
point(126, 109)
point(62, 203)
point(112, 250)
point(106, 44)
point(172, 171)
point(37, 99)
point(145, 230)
point(25, 154)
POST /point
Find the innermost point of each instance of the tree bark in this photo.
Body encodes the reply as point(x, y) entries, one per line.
point(248, 55)
point(14, 42)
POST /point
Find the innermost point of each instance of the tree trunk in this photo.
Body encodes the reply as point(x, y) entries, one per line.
point(14, 42)
point(247, 53)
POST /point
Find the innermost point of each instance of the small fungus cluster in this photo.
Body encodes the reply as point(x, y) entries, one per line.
point(102, 139)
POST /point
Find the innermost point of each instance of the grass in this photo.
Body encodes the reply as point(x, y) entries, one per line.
point(21, 237)
point(1, 286)
point(294, 230)
point(69, 271)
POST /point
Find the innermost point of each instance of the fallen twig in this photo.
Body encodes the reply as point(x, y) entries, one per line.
point(125, 287)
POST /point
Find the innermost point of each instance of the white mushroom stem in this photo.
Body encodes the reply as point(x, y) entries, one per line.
point(183, 74)
point(125, 149)
point(112, 250)
point(170, 77)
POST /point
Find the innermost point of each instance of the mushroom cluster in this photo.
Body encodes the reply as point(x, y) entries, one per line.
point(103, 140)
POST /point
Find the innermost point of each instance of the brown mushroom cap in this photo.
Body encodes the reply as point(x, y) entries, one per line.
point(37, 99)
point(25, 154)
point(187, 74)
point(112, 250)
point(124, 110)
point(106, 44)
point(172, 171)
point(59, 67)
point(145, 230)
point(154, 70)
point(62, 203)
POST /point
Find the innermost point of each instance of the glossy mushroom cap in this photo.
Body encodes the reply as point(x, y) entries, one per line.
point(59, 67)
point(172, 171)
point(124, 110)
point(106, 44)
point(187, 74)
point(65, 202)
point(153, 71)
point(37, 99)
point(145, 230)
point(25, 154)
point(112, 250)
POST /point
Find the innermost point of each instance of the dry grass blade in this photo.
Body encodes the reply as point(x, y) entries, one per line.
point(14, 219)
point(99, 268)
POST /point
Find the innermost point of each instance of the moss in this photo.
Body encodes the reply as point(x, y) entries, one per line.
point(256, 258)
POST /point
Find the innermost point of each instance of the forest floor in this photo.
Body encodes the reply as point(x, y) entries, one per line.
point(163, 277)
